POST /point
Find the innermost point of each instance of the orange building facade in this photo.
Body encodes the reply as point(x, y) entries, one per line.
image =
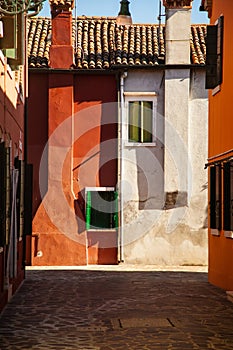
point(11, 180)
point(219, 82)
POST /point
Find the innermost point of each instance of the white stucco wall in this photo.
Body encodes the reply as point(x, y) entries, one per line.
point(154, 231)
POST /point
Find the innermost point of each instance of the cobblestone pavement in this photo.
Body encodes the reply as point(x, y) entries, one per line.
point(116, 308)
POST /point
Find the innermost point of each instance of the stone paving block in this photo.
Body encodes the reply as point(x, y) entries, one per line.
point(81, 309)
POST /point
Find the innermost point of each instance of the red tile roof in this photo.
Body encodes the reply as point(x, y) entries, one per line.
point(102, 44)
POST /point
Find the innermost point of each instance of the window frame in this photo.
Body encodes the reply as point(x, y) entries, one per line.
point(141, 97)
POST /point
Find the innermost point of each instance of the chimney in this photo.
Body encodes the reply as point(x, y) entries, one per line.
point(124, 16)
point(177, 31)
point(61, 50)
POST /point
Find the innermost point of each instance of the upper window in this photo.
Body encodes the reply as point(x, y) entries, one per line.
point(141, 118)
point(214, 54)
point(140, 121)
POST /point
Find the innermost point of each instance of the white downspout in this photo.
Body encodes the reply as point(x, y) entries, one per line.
point(121, 165)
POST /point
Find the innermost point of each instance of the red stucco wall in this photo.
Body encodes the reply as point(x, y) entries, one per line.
point(12, 133)
point(54, 98)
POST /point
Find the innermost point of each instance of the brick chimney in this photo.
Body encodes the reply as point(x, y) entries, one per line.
point(124, 16)
point(61, 50)
point(178, 21)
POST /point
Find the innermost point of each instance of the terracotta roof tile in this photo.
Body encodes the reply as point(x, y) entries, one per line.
point(101, 43)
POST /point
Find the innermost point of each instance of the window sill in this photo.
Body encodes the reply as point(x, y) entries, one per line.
point(101, 229)
point(139, 144)
point(216, 90)
point(228, 234)
point(214, 232)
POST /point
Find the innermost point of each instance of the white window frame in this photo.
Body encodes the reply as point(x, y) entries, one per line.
point(140, 96)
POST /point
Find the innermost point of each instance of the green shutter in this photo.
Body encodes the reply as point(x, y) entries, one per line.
point(8, 194)
point(212, 197)
point(220, 49)
point(101, 210)
point(2, 194)
point(88, 210)
point(227, 197)
point(214, 54)
point(21, 199)
point(211, 57)
point(116, 209)
point(231, 194)
point(218, 202)
point(28, 199)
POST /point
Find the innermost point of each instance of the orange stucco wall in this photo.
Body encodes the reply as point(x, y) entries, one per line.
point(12, 132)
point(220, 121)
point(68, 111)
point(220, 141)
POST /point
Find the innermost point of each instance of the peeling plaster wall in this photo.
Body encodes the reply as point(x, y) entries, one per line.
point(162, 227)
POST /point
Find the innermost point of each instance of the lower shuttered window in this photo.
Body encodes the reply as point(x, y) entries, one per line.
point(228, 199)
point(101, 210)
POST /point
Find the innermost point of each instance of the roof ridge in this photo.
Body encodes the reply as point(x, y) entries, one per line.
point(109, 18)
point(101, 43)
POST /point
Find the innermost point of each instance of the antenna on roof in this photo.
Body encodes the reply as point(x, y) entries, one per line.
point(160, 13)
point(76, 27)
point(159, 19)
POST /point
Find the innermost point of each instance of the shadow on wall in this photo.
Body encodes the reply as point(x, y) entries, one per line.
point(150, 177)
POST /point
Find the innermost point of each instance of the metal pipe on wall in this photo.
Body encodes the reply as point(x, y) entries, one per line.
point(121, 164)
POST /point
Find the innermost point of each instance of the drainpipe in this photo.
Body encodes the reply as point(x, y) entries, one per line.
point(121, 164)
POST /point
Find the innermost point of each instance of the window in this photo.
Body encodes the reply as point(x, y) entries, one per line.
point(139, 118)
point(215, 199)
point(140, 121)
point(2, 194)
point(214, 54)
point(228, 198)
point(5, 194)
point(101, 208)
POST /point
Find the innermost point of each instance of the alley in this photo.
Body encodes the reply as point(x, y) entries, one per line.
point(117, 308)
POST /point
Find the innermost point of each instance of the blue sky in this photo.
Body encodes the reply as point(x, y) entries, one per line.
point(142, 11)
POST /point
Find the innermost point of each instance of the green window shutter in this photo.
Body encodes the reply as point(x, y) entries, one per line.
point(2, 194)
point(28, 199)
point(21, 199)
point(215, 197)
point(218, 202)
point(116, 209)
point(8, 194)
point(231, 192)
point(101, 210)
point(214, 54)
point(211, 57)
point(212, 197)
point(147, 120)
point(88, 210)
point(134, 121)
point(220, 49)
point(228, 196)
